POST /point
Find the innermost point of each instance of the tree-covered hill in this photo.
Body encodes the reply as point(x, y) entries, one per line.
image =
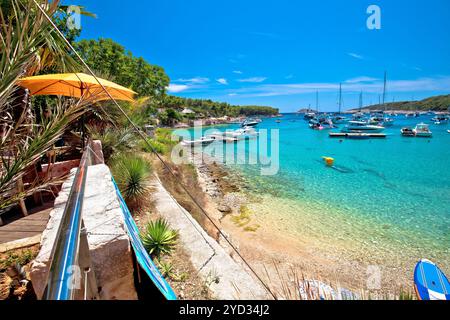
point(112, 61)
point(437, 103)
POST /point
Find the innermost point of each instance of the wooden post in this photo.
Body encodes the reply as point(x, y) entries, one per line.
point(20, 189)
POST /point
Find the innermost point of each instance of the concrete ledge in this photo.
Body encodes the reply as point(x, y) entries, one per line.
point(109, 244)
point(20, 244)
point(206, 255)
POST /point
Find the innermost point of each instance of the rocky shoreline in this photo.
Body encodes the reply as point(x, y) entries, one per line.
point(268, 249)
point(222, 187)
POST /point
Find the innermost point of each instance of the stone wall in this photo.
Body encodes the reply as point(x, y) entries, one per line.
point(227, 279)
point(109, 244)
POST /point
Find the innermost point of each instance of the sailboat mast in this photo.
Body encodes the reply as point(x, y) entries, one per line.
point(384, 90)
point(317, 101)
point(360, 101)
point(340, 98)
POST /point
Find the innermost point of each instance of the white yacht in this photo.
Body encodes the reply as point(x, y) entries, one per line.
point(242, 134)
point(362, 126)
point(250, 123)
point(204, 141)
point(422, 130)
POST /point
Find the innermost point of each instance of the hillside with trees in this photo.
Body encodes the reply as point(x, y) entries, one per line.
point(112, 61)
point(437, 103)
point(216, 109)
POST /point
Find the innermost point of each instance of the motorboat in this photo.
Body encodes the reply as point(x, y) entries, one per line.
point(316, 126)
point(250, 123)
point(359, 116)
point(204, 141)
point(243, 134)
point(376, 120)
point(339, 120)
point(362, 126)
point(442, 119)
point(422, 130)
point(309, 116)
point(408, 132)
point(322, 122)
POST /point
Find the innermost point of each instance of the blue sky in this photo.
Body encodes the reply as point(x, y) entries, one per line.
point(279, 53)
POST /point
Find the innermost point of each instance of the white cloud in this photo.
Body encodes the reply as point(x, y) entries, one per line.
point(253, 80)
point(232, 94)
point(437, 84)
point(361, 79)
point(196, 80)
point(175, 88)
point(222, 81)
point(237, 72)
point(355, 55)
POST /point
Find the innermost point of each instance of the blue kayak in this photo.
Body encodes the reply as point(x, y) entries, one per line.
point(430, 282)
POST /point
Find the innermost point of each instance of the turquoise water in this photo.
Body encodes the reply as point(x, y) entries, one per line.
point(391, 197)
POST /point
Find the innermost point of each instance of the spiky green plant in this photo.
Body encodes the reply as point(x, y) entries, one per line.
point(158, 238)
point(29, 44)
point(132, 174)
point(166, 268)
point(115, 141)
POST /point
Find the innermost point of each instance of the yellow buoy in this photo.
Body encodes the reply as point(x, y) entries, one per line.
point(329, 161)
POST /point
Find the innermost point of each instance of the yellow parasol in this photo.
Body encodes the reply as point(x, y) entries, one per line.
point(75, 85)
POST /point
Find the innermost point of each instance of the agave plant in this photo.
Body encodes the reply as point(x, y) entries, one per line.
point(166, 269)
point(159, 238)
point(132, 174)
point(115, 141)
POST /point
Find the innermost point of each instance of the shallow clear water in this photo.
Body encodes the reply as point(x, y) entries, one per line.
point(389, 199)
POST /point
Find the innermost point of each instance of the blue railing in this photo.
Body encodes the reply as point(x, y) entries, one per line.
point(142, 256)
point(70, 275)
point(65, 272)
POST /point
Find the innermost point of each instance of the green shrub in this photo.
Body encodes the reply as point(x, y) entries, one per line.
point(132, 174)
point(157, 146)
point(158, 238)
point(114, 141)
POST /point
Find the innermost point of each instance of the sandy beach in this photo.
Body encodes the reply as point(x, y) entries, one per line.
point(269, 244)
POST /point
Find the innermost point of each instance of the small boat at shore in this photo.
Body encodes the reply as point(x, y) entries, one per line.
point(204, 141)
point(422, 130)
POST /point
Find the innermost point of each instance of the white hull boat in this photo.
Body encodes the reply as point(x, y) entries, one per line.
point(422, 130)
point(361, 126)
point(201, 142)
